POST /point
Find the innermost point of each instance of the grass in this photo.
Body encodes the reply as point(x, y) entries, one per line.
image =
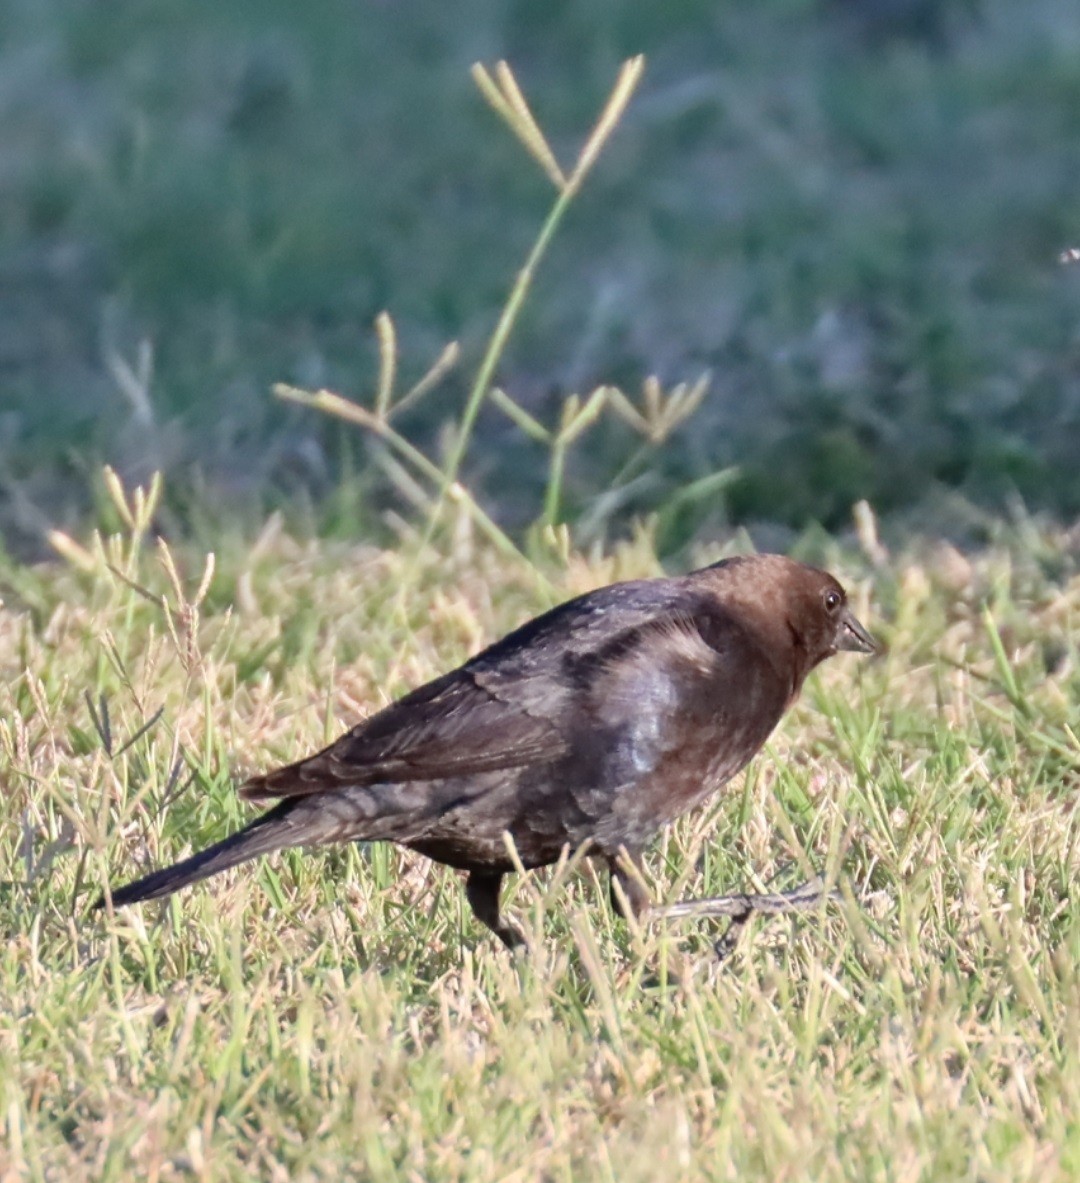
point(339, 1014)
point(854, 230)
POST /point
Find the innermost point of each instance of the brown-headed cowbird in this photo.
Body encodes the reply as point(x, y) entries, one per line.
point(592, 726)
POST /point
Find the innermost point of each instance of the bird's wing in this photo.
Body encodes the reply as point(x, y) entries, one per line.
point(513, 705)
point(454, 726)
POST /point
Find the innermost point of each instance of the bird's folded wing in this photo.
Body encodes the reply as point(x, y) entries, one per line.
point(521, 702)
point(451, 727)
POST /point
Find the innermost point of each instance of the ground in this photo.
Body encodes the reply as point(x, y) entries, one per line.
point(340, 1014)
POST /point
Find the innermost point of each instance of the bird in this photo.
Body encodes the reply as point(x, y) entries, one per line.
point(591, 727)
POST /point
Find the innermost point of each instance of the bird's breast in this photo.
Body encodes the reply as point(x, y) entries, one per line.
point(669, 771)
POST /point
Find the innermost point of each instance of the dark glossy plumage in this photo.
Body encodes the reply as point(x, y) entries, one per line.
point(595, 724)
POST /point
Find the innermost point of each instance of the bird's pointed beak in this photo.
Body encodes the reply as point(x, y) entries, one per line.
point(851, 636)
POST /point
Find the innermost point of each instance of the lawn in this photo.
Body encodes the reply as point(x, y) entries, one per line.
point(851, 217)
point(340, 1015)
point(849, 213)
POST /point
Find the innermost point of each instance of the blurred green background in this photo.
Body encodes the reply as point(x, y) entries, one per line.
point(850, 212)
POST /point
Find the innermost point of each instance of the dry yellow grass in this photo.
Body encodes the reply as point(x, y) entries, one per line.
point(339, 1015)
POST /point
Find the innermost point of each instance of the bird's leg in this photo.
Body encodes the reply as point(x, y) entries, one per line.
point(627, 890)
point(482, 892)
point(741, 906)
point(798, 899)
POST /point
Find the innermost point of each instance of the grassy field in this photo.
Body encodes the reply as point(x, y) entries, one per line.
point(854, 224)
point(340, 1015)
point(847, 212)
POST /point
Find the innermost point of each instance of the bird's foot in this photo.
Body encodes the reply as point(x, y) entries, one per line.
point(742, 905)
point(482, 891)
point(512, 937)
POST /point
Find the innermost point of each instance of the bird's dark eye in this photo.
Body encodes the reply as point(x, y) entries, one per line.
point(832, 601)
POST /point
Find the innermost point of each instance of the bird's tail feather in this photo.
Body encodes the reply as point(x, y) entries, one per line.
point(266, 833)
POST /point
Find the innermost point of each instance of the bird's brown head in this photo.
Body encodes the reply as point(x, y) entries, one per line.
point(800, 610)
